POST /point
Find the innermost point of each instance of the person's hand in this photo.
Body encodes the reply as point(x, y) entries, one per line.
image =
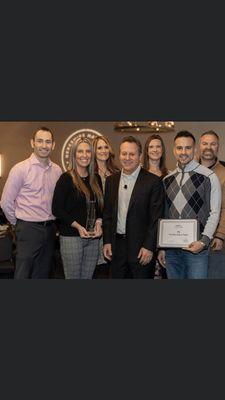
point(162, 258)
point(81, 229)
point(144, 256)
point(83, 232)
point(2, 234)
point(217, 244)
point(195, 247)
point(4, 229)
point(107, 251)
point(97, 230)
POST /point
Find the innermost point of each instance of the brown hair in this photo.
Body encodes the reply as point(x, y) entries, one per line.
point(212, 133)
point(110, 163)
point(162, 163)
point(77, 181)
point(45, 129)
point(132, 139)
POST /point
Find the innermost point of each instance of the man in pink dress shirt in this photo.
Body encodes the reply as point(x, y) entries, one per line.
point(27, 204)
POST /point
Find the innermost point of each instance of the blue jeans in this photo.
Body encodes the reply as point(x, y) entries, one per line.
point(216, 265)
point(182, 264)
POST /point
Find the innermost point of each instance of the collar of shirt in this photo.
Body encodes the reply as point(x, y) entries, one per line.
point(132, 176)
point(34, 160)
point(189, 167)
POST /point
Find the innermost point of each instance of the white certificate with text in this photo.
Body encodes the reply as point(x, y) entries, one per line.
point(177, 232)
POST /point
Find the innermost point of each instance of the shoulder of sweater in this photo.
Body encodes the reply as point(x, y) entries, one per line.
point(219, 167)
point(219, 170)
point(201, 169)
point(65, 177)
point(170, 173)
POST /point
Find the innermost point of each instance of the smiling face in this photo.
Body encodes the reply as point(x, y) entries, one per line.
point(129, 157)
point(184, 150)
point(102, 150)
point(42, 144)
point(208, 147)
point(83, 155)
point(155, 150)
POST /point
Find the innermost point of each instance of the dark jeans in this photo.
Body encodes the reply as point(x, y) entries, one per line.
point(216, 264)
point(121, 268)
point(34, 250)
point(182, 264)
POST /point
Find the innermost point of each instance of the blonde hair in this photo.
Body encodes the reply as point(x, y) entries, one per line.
point(77, 181)
point(110, 163)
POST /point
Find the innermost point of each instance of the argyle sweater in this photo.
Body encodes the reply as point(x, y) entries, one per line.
point(194, 192)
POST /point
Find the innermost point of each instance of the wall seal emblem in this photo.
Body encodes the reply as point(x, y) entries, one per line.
point(81, 133)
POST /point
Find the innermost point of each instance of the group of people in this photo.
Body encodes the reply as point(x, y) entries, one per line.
point(107, 215)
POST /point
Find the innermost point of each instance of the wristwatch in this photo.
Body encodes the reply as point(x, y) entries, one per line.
point(204, 245)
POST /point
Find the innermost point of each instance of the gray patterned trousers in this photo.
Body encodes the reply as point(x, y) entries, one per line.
point(79, 256)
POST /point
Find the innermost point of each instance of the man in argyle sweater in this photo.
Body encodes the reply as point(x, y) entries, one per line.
point(192, 192)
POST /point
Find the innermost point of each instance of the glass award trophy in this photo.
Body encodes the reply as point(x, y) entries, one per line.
point(91, 216)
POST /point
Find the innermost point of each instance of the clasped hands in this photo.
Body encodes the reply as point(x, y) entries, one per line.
point(89, 235)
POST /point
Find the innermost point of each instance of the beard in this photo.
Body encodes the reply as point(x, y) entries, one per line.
point(208, 155)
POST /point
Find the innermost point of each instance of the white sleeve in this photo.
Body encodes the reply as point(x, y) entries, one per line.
point(215, 206)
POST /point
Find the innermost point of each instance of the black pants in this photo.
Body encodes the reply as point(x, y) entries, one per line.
point(121, 268)
point(34, 250)
point(102, 271)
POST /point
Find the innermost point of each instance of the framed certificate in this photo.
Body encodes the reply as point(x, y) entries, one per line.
point(177, 232)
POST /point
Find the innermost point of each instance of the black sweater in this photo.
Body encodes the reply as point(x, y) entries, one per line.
point(69, 204)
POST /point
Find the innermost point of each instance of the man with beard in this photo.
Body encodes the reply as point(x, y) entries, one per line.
point(208, 151)
point(192, 192)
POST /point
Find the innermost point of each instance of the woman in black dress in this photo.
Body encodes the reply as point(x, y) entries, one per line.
point(154, 161)
point(104, 166)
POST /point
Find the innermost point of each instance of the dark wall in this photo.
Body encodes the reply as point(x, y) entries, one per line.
point(15, 138)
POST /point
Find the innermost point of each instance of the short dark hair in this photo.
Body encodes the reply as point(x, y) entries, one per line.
point(132, 139)
point(184, 134)
point(211, 132)
point(43, 128)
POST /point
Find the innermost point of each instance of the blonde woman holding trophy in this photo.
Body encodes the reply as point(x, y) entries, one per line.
point(77, 203)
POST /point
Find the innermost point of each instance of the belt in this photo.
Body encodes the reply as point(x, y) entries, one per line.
point(121, 235)
point(43, 223)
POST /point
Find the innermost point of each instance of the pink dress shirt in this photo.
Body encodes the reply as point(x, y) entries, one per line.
point(28, 191)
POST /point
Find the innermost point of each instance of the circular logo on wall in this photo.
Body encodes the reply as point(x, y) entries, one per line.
point(81, 133)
